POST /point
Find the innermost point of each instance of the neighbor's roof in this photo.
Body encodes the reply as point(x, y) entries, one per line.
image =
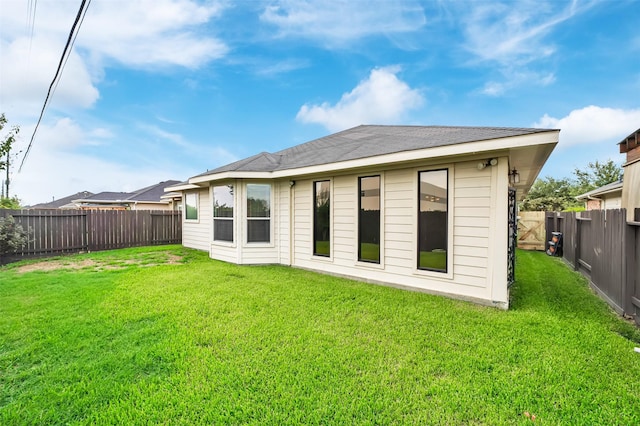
point(368, 141)
point(62, 202)
point(107, 196)
point(149, 194)
point(153, 192)
point(605, 189)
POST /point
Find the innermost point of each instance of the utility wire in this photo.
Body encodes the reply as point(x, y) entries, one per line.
point(31, 23)
point(73, 42)
point(63, 60)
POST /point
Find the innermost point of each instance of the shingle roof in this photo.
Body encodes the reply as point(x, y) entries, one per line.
point(149, 194)
point(610, 187)
point(153, 192)
point(108, 196)
point(368, 141)
point(60, 202)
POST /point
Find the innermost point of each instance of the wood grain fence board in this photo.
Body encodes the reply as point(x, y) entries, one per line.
point(55, 232)
point(605, 248)
point(531, 230)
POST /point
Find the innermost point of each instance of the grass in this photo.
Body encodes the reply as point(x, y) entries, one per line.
point(204, 342)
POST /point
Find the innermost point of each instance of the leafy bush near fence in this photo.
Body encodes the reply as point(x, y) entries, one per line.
point(12, 236)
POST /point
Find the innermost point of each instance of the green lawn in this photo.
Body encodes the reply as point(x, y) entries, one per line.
point(130, 340)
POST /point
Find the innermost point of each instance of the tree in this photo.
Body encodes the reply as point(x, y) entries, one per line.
point(9, 203)
point(549, 194)
point(6, 143)
point(596, 175)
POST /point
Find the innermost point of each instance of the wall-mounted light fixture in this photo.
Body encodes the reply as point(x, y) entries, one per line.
point(292, 182)
point(514, 176)
point(487, 163)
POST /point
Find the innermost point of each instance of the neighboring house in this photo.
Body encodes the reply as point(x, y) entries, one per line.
point(606, 197)
point(62, 203)
point(422, 208)
point(631, 187)
point(148, 198)
point(174, 199)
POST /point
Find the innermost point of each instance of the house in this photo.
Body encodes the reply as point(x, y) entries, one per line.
point(427, 208)
point(630, 192)
point(606, 197)
point(62, 203)
point(148, 198)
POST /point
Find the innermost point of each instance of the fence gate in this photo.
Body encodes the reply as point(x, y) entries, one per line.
point(531, 231)
point(513, 235)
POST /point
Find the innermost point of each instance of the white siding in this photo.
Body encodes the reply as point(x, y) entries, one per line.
point(196, 234)
point(283, 221)
point(478, 227)
point(612, 201)
point(302, 223)
point(344, 233)
point(471, 210)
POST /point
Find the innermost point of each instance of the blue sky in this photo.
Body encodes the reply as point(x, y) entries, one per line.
point(166, 89)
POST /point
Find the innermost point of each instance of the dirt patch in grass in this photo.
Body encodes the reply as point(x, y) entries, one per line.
point(102, 264)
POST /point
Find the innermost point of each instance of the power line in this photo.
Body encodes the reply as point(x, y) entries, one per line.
point(31, 23)
point(63, 60)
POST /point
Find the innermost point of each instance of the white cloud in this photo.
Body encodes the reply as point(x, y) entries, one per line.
point(278, 68)
point(380, 99)
point(592, 125)
point(338, 22)
point(140, 34)
point(148, 33)
point(26, 77)
point(514, 36)
point(514, 79)
point(514, 31)
point(63, 161)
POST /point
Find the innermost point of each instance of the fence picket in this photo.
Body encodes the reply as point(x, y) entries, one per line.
point(55, 232)
point(605, 248)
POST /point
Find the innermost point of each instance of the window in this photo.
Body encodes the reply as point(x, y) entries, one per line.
point(258, 213)
point(369, 219)
point(321, 218)
point(223, 213)
point(191, 206)
point(432, 220)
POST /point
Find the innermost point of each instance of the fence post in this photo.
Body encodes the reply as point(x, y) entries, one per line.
point(576, 243)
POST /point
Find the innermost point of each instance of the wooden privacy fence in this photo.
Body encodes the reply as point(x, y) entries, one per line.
point(55, 232)
point(605, 248)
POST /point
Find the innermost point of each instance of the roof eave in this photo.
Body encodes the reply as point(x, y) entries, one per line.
point(503, 144)
point(180, 187)
point(229, 175)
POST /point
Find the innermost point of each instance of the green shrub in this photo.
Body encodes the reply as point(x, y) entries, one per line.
point(12, 236)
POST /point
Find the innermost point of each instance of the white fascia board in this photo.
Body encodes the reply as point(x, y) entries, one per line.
point(230, 175)
point(468, 148)
point(180, 187)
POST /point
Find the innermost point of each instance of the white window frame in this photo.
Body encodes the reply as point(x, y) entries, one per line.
point(358, 262)
point(233, 218)
point(450, 218)
point(246, 218)
point(197, 205)
point(331, 219)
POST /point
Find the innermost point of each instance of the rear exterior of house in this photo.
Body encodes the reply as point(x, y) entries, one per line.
point(434, 217)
